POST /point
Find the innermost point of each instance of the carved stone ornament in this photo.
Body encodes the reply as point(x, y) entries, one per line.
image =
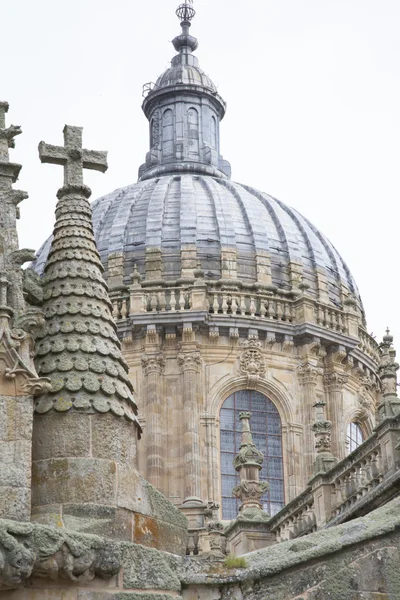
point(153, 363)
point(335, 381)
point(250, 492)
point(189, 361)
point(252, 362)
point(33, 550)
point(308, 373)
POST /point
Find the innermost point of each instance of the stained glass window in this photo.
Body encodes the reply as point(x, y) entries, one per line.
point(354, 436)
point(267, 434)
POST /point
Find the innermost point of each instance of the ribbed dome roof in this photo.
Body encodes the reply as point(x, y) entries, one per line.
point(213, 215)
point(185, 75)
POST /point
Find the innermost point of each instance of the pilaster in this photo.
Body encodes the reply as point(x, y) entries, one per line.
point(190, 363)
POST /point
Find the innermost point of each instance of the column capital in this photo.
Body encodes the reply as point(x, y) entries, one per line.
point(153, 363)
point(189, 361)
point(335, 381)
point(308, 373)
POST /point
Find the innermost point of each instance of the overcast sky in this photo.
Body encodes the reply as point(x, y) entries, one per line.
point(313, 93)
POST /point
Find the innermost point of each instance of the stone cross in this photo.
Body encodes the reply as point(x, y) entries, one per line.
point(73, 157)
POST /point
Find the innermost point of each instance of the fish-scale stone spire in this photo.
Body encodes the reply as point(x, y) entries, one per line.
point(85, 429)
point(78, 348)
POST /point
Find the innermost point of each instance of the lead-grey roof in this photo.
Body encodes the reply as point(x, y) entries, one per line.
point(171, 212)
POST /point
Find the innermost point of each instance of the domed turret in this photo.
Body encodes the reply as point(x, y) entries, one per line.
point(184, 110)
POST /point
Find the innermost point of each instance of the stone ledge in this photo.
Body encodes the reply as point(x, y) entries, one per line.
point(28, 550)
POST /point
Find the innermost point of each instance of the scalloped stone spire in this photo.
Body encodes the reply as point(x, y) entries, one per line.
point(78, 348)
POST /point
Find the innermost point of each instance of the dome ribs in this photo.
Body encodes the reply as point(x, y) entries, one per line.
point(170, 251)
point(188, 227)
point(235, 231)
point(254, 216)
point(337, 260)
point(208, 237)
point(226, 231)
point(283, 273)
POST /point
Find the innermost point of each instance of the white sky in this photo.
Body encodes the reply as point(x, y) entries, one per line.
point(313, 92)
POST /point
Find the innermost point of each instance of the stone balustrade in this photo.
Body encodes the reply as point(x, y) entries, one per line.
point(364, 480)
point(253, 305)
point(330, 317)
point(348, 489)
point(295, 519)
point(368, 345)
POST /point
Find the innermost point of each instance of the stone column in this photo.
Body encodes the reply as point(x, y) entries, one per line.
point(153, 368)
point(308, 377)
point(189, 363)
point(334, 383)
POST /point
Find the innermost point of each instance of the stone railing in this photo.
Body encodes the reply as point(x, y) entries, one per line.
point(368, 345)
point(261, 305)
point(354, 486)
point(253, 305)
point(330, 317)
point(295, 519)
point(354, 477)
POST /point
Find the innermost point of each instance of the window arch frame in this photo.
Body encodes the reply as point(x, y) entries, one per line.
point(272, 446)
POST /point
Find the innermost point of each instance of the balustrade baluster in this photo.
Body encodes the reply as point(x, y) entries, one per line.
point(224, 304)
point(124, 309)
point(162, 301)
point(215, 304)
point(154, 302)
point(279, 311)
point(235, 305)
point(242, 305)
point(115, 311)
point(263, 309)
point(181, 300)
point(271, 309)
point(252, 307)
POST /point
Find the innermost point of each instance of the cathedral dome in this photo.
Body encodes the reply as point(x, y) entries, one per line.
point(232, 231)
point(185, 212)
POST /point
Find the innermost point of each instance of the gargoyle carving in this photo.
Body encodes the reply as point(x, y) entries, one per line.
point(27, 549)
point(10, 133)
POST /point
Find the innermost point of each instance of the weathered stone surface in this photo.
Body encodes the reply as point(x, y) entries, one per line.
point(71, 436)
point(15, 410)
point(15, 502)
point(146, 568)
point(113, 442)
point(84, 595)
point(73, 480)
point(107, 521)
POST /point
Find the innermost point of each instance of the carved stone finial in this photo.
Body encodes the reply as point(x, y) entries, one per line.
point(248, 463)
point(322, 431)
point(388, 367)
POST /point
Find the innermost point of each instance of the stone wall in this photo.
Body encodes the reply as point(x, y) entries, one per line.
point(353, 561)
point(292, 377)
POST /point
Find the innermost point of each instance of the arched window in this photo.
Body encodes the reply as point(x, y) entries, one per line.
point(154, 131)
point(213, 132)
point(168, 133)
point(267, 435)
point(354, 436)
point(193, 128)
